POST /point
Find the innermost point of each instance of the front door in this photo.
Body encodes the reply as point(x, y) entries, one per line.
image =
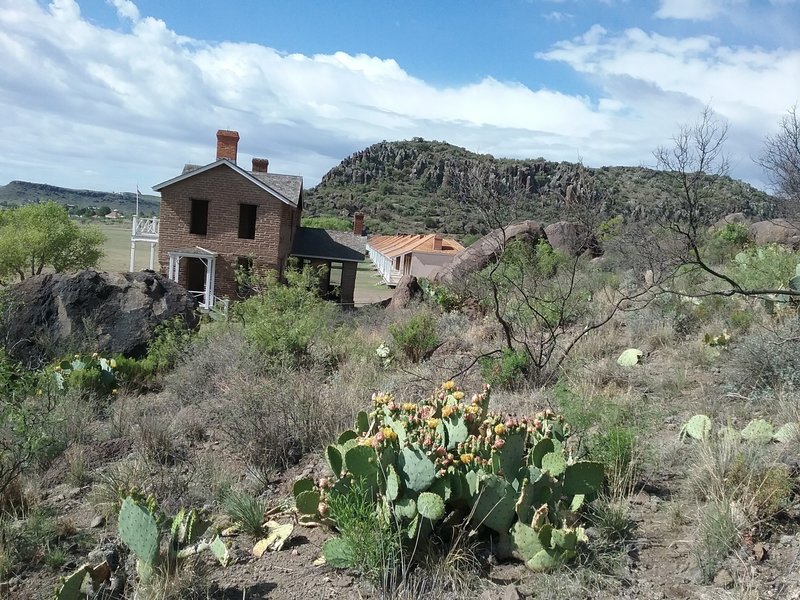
point(195, 275)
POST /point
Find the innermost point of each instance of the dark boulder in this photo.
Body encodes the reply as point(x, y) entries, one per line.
point(573, 239)
point(477, 256)
point(407, 291)
point(60, 313)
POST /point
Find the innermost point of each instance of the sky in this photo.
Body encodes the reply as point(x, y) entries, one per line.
point(108, 95)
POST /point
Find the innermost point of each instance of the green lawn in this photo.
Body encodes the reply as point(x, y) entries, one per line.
point(118, 251)
point(118, 247)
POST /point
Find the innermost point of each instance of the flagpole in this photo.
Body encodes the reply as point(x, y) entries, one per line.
point(137, 199)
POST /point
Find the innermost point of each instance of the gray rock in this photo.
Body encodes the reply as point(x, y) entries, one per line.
point(97, 522)
point(723, 579)
point(573, 239)
point(776, 231)
point(406, 291)
point(60, 313)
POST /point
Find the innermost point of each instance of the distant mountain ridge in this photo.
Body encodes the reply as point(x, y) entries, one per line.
point(412, 187)
point(25, 192)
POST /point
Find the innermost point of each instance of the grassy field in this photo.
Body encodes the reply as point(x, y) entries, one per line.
point(118, 251)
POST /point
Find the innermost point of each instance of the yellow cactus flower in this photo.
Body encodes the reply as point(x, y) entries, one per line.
point(448, 410)
point(409, 407)
point(389, 434)
point(113, 363)
point(472, 409)
point(467, 458)
point(449, 385)
point(459, 395)
point(365, 441)
point(499, 429)
point(433, 423)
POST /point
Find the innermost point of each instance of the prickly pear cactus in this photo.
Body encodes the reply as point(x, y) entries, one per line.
point(759, 431)
point(448, 455)
point(697, 428)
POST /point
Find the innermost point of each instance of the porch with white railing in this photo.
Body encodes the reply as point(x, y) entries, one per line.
point(144, 229)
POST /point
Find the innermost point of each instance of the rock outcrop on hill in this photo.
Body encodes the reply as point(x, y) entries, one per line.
point(418, 186)
point(477, 256)
point(50, 315)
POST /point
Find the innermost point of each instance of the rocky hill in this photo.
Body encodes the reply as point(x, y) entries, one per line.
point(24, 192)
point(415, 186)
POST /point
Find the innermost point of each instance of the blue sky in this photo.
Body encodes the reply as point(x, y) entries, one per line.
point(107, 94)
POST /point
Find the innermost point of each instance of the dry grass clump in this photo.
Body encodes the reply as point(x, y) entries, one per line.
point(766, 358)
point(274, 419)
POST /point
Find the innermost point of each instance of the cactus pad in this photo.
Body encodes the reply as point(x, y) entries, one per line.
point(307, 502)
point(495, 504)
point(302, 485)
point(362, 423)
point(543, 446)
point(629, 358)
point(334, 459)
point(416, 469)
point(430, 506)
point(361, 461)
point(697, 428)
point(759, 431)
point(554, 463)
point(337, 553)
point(392, 484)
point(72, 588)
point(583, 477)
point(139, 531)
point(788, 433)
point(220, 551)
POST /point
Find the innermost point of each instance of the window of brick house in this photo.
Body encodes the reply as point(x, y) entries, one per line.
point(198, 223)
point(247, 221)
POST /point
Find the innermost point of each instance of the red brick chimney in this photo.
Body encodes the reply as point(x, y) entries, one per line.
point(260, 165)
point(437, 242)
point(358, 223)
point(227, 144)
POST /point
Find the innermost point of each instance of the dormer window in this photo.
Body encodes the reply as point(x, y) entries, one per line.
point(198, 221)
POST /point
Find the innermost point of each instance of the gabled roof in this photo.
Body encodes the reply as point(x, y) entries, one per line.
point(342, 246)
point(286, 188)
point(396, 245)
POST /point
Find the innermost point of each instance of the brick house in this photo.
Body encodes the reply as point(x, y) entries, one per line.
point(219, 217)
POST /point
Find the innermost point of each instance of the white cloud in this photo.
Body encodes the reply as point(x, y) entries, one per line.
point(102, 108)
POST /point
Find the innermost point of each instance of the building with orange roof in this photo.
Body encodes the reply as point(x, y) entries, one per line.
point(419, 255)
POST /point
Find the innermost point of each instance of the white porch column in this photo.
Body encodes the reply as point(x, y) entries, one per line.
point(171, 267)
point(152, 255)
point(133, 254)
point(213, 262)
point(209, 298)
point(177, 268)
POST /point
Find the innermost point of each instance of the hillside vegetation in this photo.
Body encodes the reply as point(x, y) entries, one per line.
point(416, 186)
point(18, 193)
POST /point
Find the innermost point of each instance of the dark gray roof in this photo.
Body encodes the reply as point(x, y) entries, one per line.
point(287, 188)
point(188, 168)
point(335, 245)
point(288, 185)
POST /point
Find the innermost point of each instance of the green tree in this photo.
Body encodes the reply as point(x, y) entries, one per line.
point(37, 236)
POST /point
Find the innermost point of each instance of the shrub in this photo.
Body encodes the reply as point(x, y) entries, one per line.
point(716, 538)
point(416, 337)
point(767, 267)
point(507, 372)
point(767, 358)
point(282, 321)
